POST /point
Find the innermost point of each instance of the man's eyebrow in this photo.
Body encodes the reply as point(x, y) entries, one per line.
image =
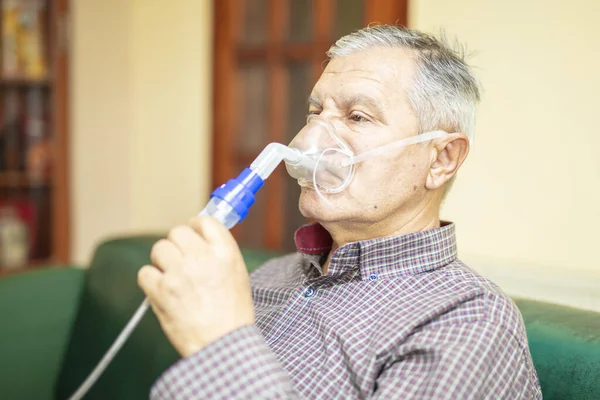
point(372, 104)
point(349, 102)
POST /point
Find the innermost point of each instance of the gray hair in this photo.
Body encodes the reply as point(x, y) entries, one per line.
point(445, 91)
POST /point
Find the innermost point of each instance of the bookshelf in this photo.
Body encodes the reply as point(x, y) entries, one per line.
point(33, 134)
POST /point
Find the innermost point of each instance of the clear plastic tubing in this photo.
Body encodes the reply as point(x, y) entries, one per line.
point(229, 204)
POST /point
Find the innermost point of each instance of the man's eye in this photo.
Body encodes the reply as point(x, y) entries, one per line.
point(357, 117)
point(313, 112)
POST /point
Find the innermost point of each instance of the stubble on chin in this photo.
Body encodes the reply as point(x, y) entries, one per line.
point(308, 203)
point(312, 206)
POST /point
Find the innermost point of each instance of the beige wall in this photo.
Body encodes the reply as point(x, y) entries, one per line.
point(140, 116)
point(528, 196)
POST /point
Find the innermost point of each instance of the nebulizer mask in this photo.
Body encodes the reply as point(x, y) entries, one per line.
point(328, 162)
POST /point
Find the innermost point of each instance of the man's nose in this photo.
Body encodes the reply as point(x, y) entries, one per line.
point(304, 137)
point(316, 131)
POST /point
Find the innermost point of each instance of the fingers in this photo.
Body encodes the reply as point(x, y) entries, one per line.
point(165, 255)
point(212, 231)
point(186, 239)
point(148, 278)
point(220, 240)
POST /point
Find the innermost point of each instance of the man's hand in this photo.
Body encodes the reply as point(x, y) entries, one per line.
point(198, 286)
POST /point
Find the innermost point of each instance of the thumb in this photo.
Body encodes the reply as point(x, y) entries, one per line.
point(212, 231)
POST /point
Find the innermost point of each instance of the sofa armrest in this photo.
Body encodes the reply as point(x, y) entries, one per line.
point(37, 310)
point(565, 346)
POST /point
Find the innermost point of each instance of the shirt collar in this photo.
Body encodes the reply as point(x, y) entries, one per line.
point(402, 255)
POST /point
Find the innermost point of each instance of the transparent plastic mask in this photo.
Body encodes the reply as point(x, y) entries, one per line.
point(325, 157)
point(328, 162)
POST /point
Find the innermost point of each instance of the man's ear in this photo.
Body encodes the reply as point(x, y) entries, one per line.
point(448, 154)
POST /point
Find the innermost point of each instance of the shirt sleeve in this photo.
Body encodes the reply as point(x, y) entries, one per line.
point(466, 361)
point(238, 365)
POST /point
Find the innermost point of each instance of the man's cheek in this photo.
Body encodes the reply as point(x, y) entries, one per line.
point(370, 177)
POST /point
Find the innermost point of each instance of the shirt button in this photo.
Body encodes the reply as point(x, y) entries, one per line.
point(373, 277)
point(310, 292)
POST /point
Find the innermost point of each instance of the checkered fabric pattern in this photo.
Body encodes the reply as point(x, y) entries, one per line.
point(394, 318)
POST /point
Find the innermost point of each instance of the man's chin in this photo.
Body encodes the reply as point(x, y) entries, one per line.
point(313, 206)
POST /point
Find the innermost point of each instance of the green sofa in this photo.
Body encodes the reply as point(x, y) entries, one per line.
point(57, 322)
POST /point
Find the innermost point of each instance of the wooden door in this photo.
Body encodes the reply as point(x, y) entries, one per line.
point(267, 56)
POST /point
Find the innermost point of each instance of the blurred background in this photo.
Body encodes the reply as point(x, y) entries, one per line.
point(120, 117)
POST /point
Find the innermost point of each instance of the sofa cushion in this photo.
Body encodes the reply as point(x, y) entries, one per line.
point(110, 296)
point(37, 310)
point(565, 346)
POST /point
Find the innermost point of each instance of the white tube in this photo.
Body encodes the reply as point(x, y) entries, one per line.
point(396, 145)
point(112, 351)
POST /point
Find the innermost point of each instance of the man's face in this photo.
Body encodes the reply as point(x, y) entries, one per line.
point(364, 95)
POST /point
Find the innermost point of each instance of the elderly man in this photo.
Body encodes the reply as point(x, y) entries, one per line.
point(375, 303)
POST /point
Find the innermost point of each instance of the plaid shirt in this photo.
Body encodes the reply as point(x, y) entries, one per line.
point(397, 317)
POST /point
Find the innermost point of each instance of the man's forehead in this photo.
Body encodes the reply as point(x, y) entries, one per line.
point(385, 69)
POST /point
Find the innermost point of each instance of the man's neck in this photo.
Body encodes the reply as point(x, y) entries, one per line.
point(401, 224)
